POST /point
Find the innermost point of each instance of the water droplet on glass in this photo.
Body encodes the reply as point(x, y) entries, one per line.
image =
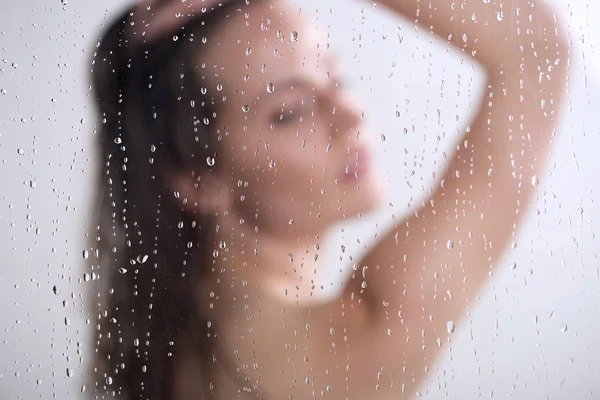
point(450, 244)
point(142, 258)
point(56, 289)
point(122, 270)
point(450, 326)
point(210, 161)
point(270, 87)
point(535, 181)
point(245, 108)
point(294, 36)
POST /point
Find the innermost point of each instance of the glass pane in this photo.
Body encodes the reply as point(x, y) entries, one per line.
point(297, 199)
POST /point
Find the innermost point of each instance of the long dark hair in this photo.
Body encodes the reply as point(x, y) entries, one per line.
point(155, 110)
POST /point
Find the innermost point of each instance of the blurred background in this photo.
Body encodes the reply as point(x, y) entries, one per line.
point(533, 333)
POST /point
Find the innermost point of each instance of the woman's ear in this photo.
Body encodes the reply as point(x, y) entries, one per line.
point(197, 193)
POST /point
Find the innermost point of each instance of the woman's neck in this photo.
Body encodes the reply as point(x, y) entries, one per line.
point(247, 263)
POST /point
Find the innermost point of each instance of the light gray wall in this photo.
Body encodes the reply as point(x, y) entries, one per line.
point(47, 165)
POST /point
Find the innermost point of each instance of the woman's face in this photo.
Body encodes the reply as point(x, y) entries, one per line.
point(294, 151)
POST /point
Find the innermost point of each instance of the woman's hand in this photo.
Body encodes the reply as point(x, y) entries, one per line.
point(154, 19)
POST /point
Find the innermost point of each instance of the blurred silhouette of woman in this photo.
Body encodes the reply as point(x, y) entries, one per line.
point(229, 147)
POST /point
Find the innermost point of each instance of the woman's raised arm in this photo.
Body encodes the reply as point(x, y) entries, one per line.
point(424, 272)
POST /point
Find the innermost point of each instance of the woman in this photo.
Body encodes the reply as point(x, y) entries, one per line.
point(228, 149)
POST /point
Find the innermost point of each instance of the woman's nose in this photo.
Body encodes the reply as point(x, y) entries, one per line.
point(344, 111)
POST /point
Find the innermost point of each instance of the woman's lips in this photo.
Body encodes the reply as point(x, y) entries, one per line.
point(357, 167)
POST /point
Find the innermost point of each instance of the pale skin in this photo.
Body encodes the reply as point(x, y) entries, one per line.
point(388, 328)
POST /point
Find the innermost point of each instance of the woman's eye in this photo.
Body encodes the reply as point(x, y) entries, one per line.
point(280, 118)
point(285, 117)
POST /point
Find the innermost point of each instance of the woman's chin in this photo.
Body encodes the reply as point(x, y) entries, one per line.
point(372, 204)
point(370, 194)
point(362, 203)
